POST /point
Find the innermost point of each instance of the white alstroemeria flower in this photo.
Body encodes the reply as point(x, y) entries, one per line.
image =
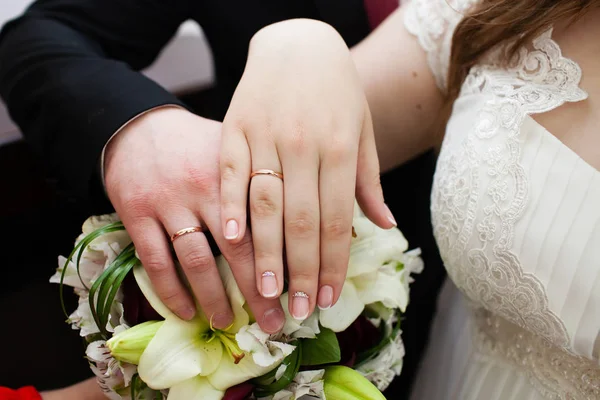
point(191, 358)
point(112, 375)
point(377, 272)
point(83, 319)
point(382, 369)
point(294, 329)
point(265, 350)
point(94, 260)
point(307, 385)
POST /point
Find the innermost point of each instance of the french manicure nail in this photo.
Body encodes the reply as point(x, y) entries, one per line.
point(390, 216)
point(232, 229)
point(325, 299)
point(273, 320)
point(268, 284)
point(300, 306)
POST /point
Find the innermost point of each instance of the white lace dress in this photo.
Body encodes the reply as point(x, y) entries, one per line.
point(516, 215)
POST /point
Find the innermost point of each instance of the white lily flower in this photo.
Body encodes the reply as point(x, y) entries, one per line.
point(377, 272)
point(307, 385)
point(191, 358)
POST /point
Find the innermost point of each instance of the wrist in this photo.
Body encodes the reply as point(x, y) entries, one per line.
point(136, 121)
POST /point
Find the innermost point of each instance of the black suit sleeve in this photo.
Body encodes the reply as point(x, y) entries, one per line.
point(68, 73)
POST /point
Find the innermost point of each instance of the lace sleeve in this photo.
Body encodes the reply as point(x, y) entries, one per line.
point(433, 23)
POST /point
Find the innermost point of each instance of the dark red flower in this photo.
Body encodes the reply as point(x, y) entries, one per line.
point(358, 337)
point(239, 392)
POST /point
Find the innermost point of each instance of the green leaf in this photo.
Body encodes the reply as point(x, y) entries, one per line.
point(104, 289)
point(292, 363)
point(325, 349)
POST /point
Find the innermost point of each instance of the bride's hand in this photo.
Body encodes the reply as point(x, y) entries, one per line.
point(299, 111)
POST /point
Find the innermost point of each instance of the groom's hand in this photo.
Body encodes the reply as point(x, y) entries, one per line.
point(162, 176)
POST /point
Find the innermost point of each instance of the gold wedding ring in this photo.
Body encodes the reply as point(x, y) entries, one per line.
point(185, 231)
point(266, 172)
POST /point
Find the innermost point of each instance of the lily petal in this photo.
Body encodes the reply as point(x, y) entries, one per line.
point(197, 388)
point(229, 374)
point(374, 247)
point(236, 298)
point(345, 311)
point(179, 352)
point(143, 281)
point(385, 286)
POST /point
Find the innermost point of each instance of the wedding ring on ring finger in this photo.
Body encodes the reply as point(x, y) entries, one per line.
point(267, 172)
point(185, 231)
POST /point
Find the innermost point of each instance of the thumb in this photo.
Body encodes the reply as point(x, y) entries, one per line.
point(369, 193)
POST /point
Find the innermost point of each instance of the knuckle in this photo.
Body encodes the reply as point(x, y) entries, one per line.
point(197, 262)
point(171, 297)
point(262, 204)
point(138, 205)
point(334, 271)
point(156, 265)
point(215, 304)
point(302, 224)
point(336, 228)
point(303, 277)
point(341, 149)
point(199, 178)
point(229, 168)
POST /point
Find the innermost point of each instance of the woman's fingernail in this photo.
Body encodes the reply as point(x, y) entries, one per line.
point(273, 320)
point(268, 284)
point(187, 313)
point(325, 299)
point(232, 229)
point(300, 306)
point(390, 216)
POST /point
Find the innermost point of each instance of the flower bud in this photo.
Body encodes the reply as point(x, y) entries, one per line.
point(343, 383)
point(129, 345)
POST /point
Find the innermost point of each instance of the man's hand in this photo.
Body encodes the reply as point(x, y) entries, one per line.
point(162, 175)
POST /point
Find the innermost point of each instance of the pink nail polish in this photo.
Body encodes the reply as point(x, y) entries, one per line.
point(268, 284)
point(232, 229)
point(300, 306)
point(325, 299)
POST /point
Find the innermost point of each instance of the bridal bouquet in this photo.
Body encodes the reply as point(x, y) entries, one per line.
point(138, 349)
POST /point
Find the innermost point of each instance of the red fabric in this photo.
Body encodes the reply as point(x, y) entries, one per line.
point(378, 10)
point(26, 393)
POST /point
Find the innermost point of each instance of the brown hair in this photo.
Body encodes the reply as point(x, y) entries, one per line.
point(493, 22)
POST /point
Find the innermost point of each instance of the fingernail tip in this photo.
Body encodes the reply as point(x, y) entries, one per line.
point(270, 295)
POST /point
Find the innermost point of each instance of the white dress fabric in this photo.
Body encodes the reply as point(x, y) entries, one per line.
point(516, 215)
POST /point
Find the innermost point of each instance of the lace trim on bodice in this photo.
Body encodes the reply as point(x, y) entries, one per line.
point(433, 23)
point(555, 373)
point(481, 189)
